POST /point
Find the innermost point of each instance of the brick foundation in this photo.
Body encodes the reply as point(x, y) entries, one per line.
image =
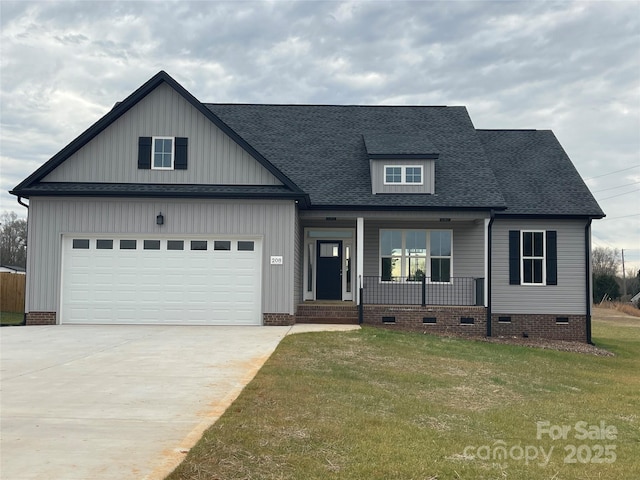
point(457, 321)
point(343, 313)
point(278, 319)
point(412, 318)
point(41, 318)
point(540, 326)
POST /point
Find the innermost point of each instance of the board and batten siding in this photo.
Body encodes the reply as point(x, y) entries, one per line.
point(377, 176)
point(273, 221)
point(213, 157)
point(468, 244)
point(567, 297)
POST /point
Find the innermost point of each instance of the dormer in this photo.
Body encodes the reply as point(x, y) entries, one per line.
point(403, 164)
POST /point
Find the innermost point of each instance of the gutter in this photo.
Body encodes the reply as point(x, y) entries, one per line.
point(587, 268)
point(488, 280)
point(22, 203)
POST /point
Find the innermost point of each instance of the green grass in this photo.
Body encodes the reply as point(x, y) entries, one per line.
point(377, 404)
point(11, 318)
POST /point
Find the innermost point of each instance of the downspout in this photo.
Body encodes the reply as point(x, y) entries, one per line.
point(488, 280)
point(587, 268)
point(24, 316)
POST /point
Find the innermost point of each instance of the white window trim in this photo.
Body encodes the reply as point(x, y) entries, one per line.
point(428, 256)
point(403, 174)
point(543, 258)
point(153, 153)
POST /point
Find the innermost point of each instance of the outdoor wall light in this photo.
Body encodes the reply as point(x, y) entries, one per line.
point(160, 219)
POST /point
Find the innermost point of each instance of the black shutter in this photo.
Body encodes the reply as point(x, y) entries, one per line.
point(144, 153)
point(514, 257)
point(552, 257)
point(181, 153)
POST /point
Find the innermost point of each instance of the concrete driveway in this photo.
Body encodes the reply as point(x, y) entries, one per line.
point(118, 402)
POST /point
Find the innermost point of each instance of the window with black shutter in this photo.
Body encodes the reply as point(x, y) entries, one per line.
point(163, 153)
point(533, 257)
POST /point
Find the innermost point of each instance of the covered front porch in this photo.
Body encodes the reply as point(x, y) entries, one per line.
point(391, 260)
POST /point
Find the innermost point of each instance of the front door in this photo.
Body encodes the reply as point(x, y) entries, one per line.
point(329, 270)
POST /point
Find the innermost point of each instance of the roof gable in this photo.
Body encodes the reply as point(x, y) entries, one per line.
point(121, 108)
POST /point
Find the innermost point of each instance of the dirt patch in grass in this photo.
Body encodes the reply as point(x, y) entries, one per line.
point(575, 347)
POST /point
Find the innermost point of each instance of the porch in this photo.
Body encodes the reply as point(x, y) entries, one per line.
point(393, 258)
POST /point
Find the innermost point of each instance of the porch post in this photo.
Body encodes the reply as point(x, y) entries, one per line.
point(359, 253)
point(487, 221)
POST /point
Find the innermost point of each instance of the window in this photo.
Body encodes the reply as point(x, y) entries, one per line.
point(414, 175)
point(162, 153)
point(244, 246)
point(329, 250)
point(393, 175)
point(151, 244)
point(440, 256)
point(104, 244)
point(175, 245)
point(411, 255)
point(127, 244)
point(401, 175)
point(198, 244)
point(532, 257)
point(222, 245)
point(82, 243)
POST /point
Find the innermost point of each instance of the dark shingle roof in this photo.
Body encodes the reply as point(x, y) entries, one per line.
point(399, 145)
point(321, 149)
point(535, 174)
point(322, 153)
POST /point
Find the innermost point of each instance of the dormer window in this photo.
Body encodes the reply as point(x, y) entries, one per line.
point(403, 175)
point(401, 164)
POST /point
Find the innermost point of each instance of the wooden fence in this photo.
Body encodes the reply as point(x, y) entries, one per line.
point(12, 287)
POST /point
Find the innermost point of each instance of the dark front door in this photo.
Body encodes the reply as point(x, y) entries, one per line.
point(329, 270)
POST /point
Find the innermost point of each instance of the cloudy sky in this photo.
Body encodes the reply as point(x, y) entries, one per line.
point(573, 67)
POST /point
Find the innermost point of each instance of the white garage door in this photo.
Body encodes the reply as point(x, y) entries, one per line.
point(191, 281)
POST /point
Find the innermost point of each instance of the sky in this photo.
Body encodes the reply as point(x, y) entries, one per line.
point(571, 67)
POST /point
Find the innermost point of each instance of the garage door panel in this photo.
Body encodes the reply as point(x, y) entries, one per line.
point(200, 287)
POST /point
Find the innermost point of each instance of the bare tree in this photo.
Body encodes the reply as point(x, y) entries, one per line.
point(13, 240)
point(605, 261)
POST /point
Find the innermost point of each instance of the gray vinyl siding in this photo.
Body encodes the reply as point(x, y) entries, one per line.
point(273, 221)
point(213, 157)
point(568, 297)
point(468, 261)
point(377, 177)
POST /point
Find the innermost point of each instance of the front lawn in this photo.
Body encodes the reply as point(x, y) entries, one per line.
point(376, 404)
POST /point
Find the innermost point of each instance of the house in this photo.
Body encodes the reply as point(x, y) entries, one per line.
point(635, 300)
point(168, 210)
